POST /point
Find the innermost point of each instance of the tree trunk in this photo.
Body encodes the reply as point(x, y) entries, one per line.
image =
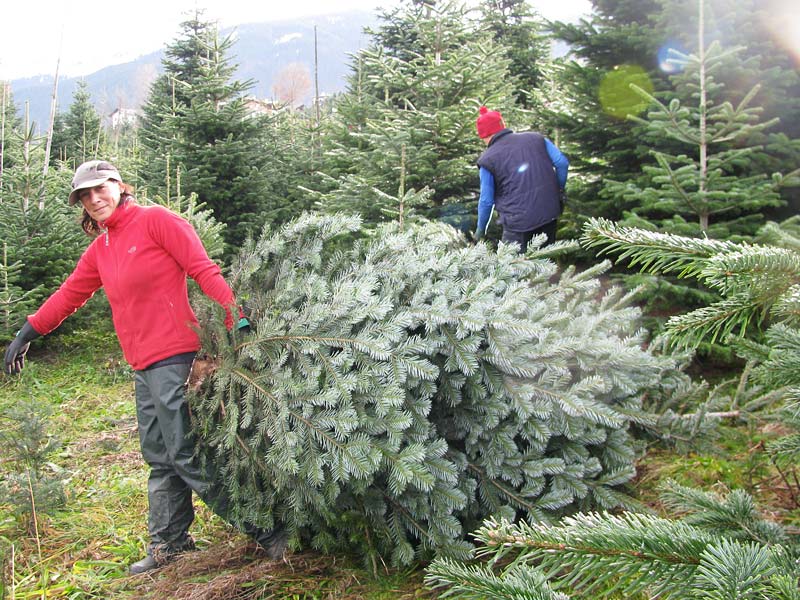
point(703, 108)
point(2, 135)
point(53, 106)
point(26, 159)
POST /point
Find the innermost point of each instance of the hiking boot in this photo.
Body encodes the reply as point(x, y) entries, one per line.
point(148, 563)
point(274, 542)
point(159, 555)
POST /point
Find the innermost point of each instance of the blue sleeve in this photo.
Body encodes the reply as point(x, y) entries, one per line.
point(560, 162)
point(486, 201)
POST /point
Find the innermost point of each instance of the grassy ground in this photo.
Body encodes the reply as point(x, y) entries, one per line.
point(82, 549)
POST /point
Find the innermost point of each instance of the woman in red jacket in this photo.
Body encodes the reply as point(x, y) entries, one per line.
point(141, 257)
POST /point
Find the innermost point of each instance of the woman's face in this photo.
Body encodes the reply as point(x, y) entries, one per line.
point(102, 200)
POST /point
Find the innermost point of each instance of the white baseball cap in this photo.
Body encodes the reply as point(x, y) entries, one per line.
point(91, 174)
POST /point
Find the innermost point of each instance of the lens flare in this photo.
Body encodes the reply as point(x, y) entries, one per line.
point(783, 21)
point(618, 98)
point(672, 58)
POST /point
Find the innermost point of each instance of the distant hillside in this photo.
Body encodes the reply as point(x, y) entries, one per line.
point(260, 49)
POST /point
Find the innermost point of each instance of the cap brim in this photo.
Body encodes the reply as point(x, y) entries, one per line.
point(73, 196)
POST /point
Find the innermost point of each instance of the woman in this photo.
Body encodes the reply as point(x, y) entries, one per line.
point(141, 257)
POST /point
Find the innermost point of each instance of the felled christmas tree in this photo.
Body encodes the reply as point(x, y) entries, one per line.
point(399, 390)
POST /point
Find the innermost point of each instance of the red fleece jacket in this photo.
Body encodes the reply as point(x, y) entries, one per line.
point(142, 262)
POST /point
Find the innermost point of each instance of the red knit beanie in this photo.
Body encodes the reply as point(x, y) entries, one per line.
point(489, 122)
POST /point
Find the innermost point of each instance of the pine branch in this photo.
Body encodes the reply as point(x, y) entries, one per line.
point(733, 516)
point(712, 322)
point(655, 252)
point(602, 555)
point(767, 273)
point(676, 183)
point(628, 553)
point(754, 278)
point(477, 582)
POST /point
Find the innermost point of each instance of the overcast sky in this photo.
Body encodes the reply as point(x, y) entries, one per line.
point(92, 35)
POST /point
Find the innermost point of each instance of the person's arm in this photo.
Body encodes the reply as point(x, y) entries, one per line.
point(81, 285)
point(560, 163)
point(485, 203)
point(178, 238)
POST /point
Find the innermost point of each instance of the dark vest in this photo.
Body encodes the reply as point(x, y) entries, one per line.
point(525, 184)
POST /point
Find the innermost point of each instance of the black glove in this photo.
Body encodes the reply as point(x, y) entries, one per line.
point(15, 353)
point(562, 199)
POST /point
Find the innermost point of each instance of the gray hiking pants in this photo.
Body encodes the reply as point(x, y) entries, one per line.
point(168, 445)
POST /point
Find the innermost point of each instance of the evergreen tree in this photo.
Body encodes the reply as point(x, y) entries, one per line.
point(123, 144)
point(77, 135)
point(38, 233)
point(516, 28)
point(743, 25)
point(709, 188)
point(760, 61)
point(58, 151)
point(626, 41)
point(293, 138)
point(159, 133)
point(706, 142)
point(780, 353)
point(34, 485)
point(616, 46)
point(10, 122)
point(196, 119)
point(397, 391)
point(410, 109)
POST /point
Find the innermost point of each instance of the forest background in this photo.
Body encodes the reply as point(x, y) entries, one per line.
point(679, 118)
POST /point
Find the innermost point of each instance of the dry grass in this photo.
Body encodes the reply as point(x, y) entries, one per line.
point(233, 569)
